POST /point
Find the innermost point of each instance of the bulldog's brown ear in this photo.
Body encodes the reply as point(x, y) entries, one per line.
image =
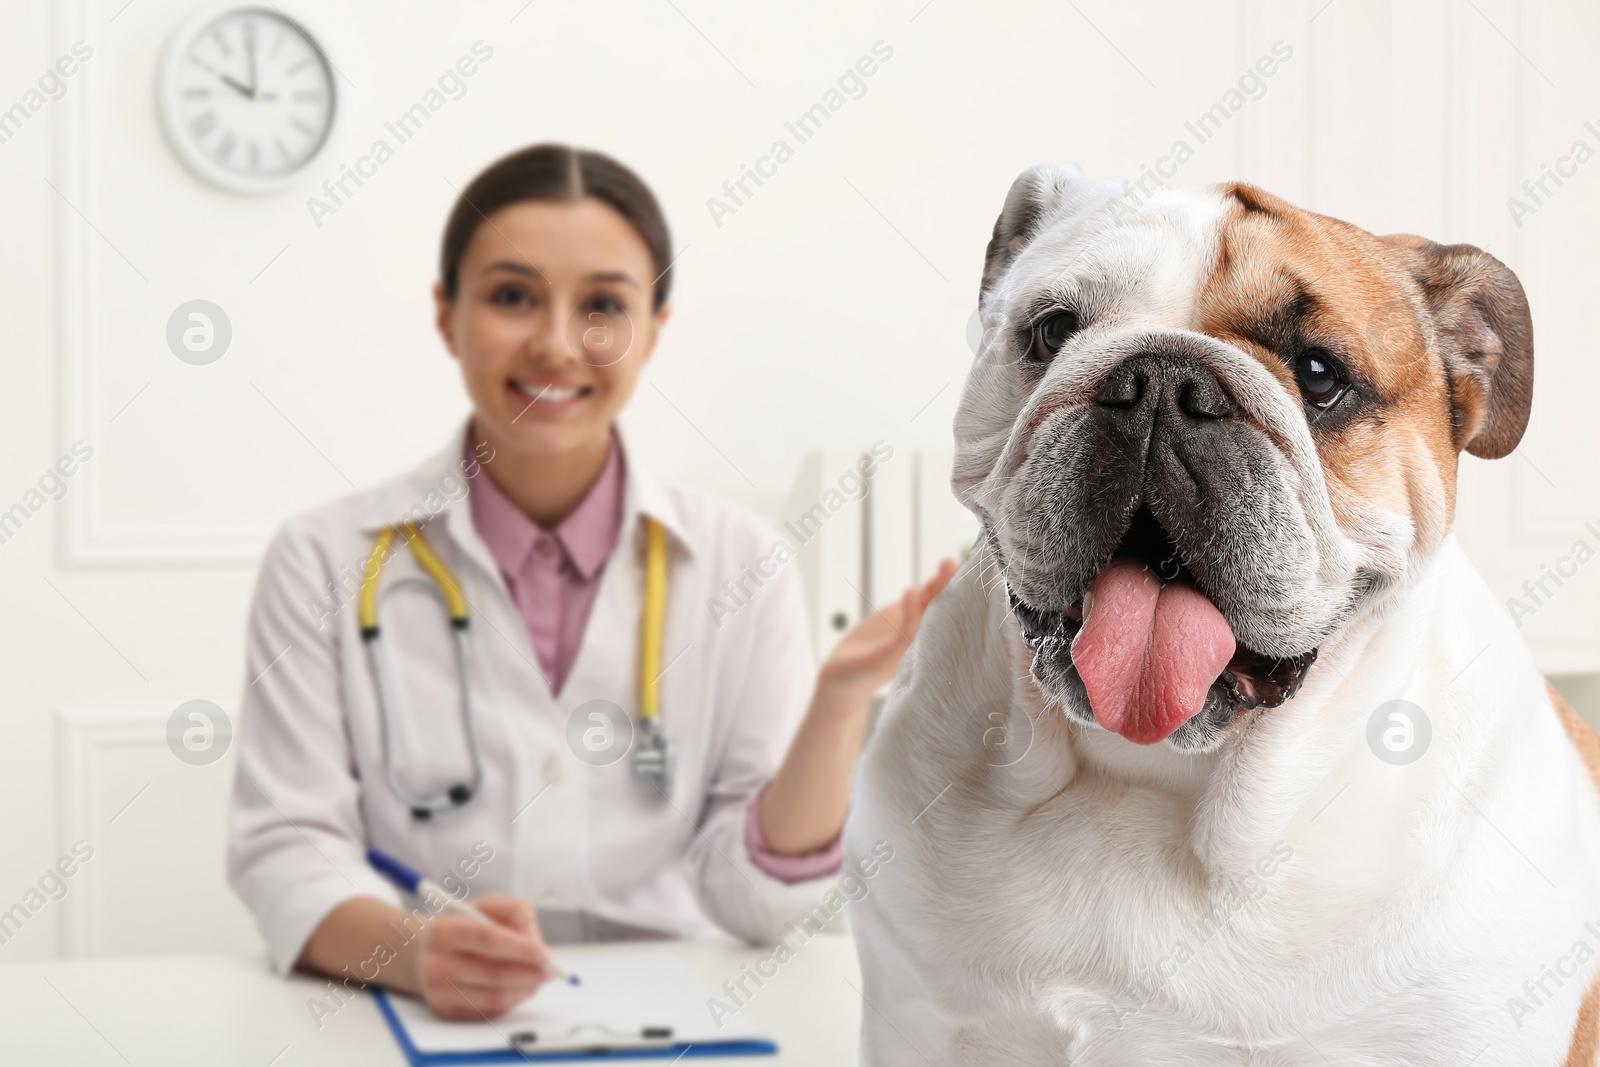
point(1486, 335)
point(1040, 195)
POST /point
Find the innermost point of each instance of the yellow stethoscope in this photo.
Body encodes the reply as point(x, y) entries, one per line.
point(652, 755)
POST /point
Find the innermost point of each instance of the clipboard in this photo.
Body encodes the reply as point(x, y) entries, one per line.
point(638, 1003)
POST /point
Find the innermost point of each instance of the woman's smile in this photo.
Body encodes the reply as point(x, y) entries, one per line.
point(546, 396)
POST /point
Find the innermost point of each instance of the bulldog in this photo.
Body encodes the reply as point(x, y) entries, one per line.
point(1217, 750)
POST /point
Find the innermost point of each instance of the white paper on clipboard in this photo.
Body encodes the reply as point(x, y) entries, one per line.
point(620, 994)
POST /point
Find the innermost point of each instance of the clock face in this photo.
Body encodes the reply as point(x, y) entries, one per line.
point(248, 98)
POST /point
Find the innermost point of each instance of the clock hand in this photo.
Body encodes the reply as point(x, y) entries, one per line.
point(242, 90)
point(250, 43)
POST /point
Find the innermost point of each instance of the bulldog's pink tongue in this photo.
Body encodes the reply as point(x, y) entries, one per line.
point(1148, 652)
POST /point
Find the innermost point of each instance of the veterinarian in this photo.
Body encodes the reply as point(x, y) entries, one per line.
point(503, 669)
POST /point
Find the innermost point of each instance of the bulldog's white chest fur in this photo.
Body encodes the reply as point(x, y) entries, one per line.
point(1289, 898)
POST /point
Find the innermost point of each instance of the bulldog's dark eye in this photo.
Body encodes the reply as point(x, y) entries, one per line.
point(1319, 377)
point(1051, 332)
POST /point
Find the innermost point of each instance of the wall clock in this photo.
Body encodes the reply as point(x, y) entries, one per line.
point(247, 97)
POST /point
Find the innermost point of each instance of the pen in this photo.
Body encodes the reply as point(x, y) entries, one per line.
point(432, 893)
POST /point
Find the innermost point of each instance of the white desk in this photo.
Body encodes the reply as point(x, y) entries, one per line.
point(232, 1011)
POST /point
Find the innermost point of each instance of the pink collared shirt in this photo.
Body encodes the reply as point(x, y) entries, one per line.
point(553, 577)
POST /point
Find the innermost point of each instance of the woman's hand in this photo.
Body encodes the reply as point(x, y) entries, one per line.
point(472, 970)
point(463, 968)
point(868, 655)
point(804, 805)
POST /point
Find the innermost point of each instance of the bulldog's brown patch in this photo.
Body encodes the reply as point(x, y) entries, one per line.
point(1586, 1032)
point(1578, 732)
point(1288, 280)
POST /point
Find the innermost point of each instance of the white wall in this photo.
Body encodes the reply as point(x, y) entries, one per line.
point(830, 310)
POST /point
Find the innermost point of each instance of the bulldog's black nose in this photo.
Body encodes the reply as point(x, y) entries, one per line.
point(1159, 385)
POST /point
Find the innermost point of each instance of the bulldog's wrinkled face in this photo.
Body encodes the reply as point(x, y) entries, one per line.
point(1206, 431)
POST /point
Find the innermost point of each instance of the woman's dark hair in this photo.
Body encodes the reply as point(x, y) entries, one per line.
point(556, 172)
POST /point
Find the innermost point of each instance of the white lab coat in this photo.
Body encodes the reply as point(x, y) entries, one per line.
point(310, 795)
